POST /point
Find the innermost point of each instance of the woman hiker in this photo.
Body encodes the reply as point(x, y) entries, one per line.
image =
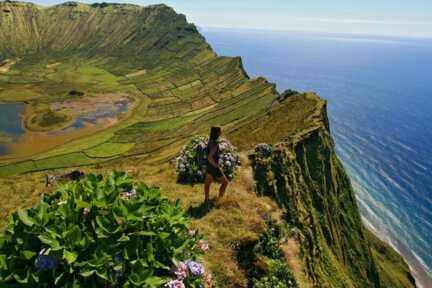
point(214, 172)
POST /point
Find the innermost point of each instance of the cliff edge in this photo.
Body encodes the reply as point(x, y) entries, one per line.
point(304, 176)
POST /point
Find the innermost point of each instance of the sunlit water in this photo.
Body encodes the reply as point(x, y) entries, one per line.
point(10, 124)
point(12, 130)
point(379, 93)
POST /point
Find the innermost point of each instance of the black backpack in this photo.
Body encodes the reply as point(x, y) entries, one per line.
point(201, 155)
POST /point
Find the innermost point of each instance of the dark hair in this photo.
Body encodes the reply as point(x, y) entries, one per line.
point(215, 132)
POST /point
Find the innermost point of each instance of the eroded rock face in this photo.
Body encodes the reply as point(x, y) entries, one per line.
point(306, 178)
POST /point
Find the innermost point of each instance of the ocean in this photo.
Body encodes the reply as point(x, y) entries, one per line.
point(379, 93)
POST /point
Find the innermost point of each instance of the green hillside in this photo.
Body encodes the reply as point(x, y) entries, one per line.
point(64, 60)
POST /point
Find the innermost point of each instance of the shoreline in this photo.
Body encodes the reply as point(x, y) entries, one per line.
point(418, 270)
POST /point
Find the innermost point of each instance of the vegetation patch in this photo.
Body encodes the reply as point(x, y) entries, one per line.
point(76, 93)
point(7, 64)
point(50, 118)
point(264, 262)
point(102, 232)
point(46, 120)
point(109, 149)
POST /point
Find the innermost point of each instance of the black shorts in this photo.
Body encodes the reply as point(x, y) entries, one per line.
point(213, 171)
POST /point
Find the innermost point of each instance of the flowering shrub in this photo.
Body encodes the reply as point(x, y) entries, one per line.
point(192, 161)
point(269, 241)
point(102, 232)
point(263, 150)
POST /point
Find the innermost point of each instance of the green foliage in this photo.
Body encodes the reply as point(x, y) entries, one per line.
point(76, 93)
point(279, 276)
point(264, 262)
point(100, 232)
point(51, 118)
point(269, 242)
point(108, 149)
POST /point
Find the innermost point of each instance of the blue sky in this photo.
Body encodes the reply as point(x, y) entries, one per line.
point(381, 17)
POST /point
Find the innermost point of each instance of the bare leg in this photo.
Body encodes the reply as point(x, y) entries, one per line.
point(222, 188)
point(207, 183)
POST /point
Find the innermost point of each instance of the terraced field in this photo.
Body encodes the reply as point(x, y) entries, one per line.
point(179, 86)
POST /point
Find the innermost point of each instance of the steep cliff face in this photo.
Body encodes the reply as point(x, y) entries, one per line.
point(305, 177)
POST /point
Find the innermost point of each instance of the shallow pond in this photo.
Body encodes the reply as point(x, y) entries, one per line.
point(101, 112)
point(10, 124)
point(13, 135)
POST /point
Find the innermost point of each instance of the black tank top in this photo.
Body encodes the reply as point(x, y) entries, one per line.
point(216, 155)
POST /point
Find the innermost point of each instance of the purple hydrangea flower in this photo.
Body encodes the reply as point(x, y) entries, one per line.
point(263, 150)
point(44, 262)
point(195, 268)
point(175, 284)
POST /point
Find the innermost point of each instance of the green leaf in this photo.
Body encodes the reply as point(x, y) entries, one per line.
point(23, 280)
point(70, 257)
point(123, 238)
point(106, 225)
point(102, 274)
point(154, 281)
point(25, 218)
point(49, 240)
point(82, 204)
point(35, 277)
point(143, 233)
point(42, 215)
point(87, 273)
point(139, 276)
point(73, 235)
point(150, 252)
point(118, 267)
point(28, 254)
point(164, 235)
point(3, 262)
point(59, 278)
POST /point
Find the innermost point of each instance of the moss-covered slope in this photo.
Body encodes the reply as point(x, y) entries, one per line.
point(305, 177)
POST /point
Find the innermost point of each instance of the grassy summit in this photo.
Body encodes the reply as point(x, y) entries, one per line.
point(74, 61)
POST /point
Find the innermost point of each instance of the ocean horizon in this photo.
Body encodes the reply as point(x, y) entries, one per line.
point(379, 104)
